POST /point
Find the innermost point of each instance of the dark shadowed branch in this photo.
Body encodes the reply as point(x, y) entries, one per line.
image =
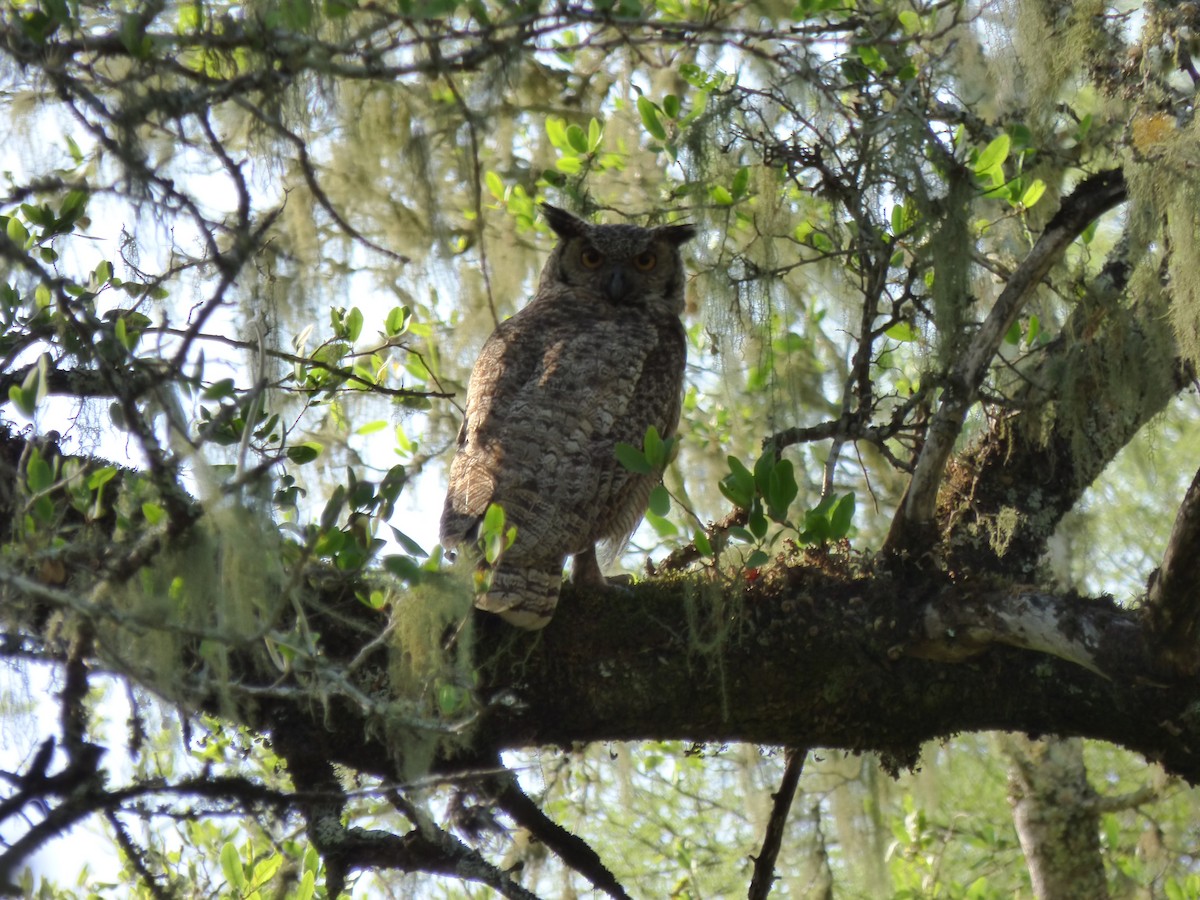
point(1173, 604)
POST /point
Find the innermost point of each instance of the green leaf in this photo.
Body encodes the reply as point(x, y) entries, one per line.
point(1033, 193)
point(902, 332)
point(153, 512)
point(397, 322)
point(720, 195)
point(654, 449)
point(1013, 335)
point(738, 485)
point(372, 427)
point(231, 866)
point(595, 135)
point(101, 477)
point(841, 516)
point(38, 215)
point(782, 490)
point(633, 459)
point(763, 466)
point(757, 558)
point(304, 453)
point(910, 21)
point(122, 335)
point(219, 390)
point(741, 181)
point(493, 519)
point(354, 324)
point(660, 500)
point(71, 210)
point(821, 241)
point(556, 130)
point(671, 106)
point(404, 567)
point(757, 523)
point(265, 869)
point(16, 232)
point(495, 185)
point(703, 544)
point(993, 155)
point(650, 121)
point(38, 474)
point(1034, 330)
point(23, 399)
point(664, 528)
point(451, 699)
point(577, 139)
point(34, 387)
point(410, 546)
point(1021, 134)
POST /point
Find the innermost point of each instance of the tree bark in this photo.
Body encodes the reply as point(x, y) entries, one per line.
point(1054, 810)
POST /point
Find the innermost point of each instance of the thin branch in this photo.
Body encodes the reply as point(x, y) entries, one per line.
point(764, 863)
point(137, 859)
point(570, 848)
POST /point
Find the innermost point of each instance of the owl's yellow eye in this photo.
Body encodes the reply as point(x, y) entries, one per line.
point(590, 258)
point(644, 262)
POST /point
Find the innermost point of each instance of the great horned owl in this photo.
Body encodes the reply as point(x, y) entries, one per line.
point(594, 359)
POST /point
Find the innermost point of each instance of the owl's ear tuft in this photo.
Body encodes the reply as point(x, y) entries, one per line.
point(676, 234)
point(562, 222)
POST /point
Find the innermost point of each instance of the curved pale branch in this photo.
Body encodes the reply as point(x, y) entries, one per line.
point(911, 529)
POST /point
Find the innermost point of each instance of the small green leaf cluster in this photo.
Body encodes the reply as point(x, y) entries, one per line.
point(579, 152)
point(766, 493)
point(336, 365)
point(887, 62)
point(344, 532)
point(666, 122)
point(652, 459)
point(495, 534)
point(50, 478)
point(251, 876)
point(653, 456)
point(48, 309)
point(1027, 332)
point(1013, 148)
point(226, 412)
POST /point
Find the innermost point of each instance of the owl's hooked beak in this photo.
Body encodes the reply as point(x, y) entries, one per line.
point(617, 285)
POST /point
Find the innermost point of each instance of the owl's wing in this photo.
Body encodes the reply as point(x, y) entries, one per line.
point(505, 364)
point(656, 400)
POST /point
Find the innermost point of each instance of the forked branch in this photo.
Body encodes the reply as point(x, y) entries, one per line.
point(912, 528)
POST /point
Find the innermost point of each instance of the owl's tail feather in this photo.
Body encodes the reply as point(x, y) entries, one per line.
point(522, 596)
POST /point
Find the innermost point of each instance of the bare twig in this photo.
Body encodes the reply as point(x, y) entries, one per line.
point(764, 863)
